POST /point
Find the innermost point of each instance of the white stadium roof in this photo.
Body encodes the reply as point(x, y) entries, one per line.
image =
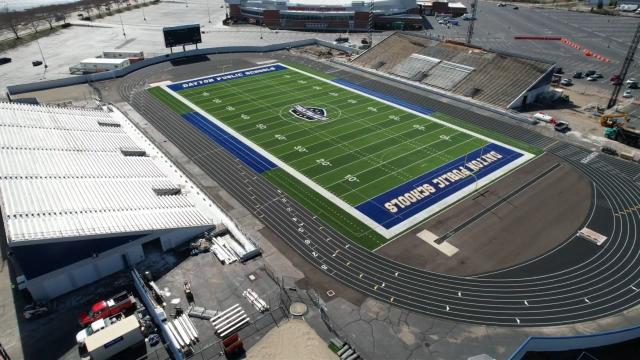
point(72, 173)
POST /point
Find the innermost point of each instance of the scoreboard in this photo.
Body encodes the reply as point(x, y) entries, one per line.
point(182, 35)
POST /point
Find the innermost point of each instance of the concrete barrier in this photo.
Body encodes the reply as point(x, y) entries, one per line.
point(84, 79)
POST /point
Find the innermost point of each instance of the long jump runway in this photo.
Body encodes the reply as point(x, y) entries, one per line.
point(605, 283)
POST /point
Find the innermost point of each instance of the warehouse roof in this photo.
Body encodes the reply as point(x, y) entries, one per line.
point(77, 173)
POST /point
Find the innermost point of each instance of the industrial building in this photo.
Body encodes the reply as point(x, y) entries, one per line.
point(330, 15)
point(84, 194)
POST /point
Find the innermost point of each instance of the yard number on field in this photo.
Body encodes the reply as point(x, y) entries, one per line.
point(394, 117)
point(300, 148)
point(245, 117)
point(280, 137)
point(216, 100)
point(323, 162)
point(261, 126)
point(419, 127)
point(230, 108)
point(445, 137)
point(353, 101)
point(351, 178)
point(371, 108)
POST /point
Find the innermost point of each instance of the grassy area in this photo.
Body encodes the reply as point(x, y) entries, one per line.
point(308, 70)
point(490, 134)
point(169, 100)
point(338, 219)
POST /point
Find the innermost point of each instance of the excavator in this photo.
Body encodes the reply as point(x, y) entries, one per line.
point(619, 128)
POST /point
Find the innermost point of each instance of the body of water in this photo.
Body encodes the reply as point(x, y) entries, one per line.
point(16, 5)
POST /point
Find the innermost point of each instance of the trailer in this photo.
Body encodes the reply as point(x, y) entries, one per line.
point(122, 54)
point(114, 339)
point(95, 65)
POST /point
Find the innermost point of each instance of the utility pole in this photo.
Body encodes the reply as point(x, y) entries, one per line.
point(474, 9)
point(370, 27)
point(208, 12)
point(144, 17)
point(625, 68)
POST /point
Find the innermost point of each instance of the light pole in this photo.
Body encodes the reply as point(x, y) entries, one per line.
point(122, 24)
point(208, 12)
point(44, 61)
point(186, 3)
point(144, 17)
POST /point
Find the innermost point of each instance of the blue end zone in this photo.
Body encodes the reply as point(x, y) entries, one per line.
point(406, 104)
point(412, 197)
point(213, 79)
point(242, 151)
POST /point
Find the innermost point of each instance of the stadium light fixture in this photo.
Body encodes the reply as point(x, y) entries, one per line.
point(122, 24)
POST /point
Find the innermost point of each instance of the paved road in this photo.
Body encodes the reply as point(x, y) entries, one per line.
point(574, 283)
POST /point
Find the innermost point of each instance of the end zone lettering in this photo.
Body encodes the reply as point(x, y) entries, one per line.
point(218, 78)
point(442, 181)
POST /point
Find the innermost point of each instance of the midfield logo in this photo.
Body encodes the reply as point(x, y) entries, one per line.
point(309, 113)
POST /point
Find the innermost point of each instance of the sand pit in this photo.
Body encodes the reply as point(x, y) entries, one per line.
point(293, 340)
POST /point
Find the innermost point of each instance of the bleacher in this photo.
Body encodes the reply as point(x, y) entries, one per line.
point(501, 81)
point(447, 75)
point(488, 76)
point(415, 67)
point(392, 51)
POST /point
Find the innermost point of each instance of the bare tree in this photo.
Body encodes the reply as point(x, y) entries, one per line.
point(35, 24)
point(14, 22)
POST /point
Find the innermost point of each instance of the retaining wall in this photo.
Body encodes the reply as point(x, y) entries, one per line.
point(84, 79)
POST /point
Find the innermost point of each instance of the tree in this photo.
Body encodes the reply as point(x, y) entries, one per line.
point(14, 21)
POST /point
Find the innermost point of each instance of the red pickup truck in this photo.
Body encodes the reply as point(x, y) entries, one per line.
point(105, 308)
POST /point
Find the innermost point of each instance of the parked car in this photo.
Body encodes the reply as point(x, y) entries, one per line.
point(35, 310)
point(562, 126)
point(5, 60)
point(631, 80)
point(558, 70)
point(566, 82)
point(36, 63)
point(515, 8)
point(614, 77)
point(502, 4)
point(106, 308)
point(616, 82)
point(627, 94)
point(592, 78)
point(610, 151)
point(577, 75)
point(633, 85)
point(589, 73)
point(598, 76)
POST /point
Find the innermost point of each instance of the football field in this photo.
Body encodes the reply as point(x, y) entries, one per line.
point(388, 166)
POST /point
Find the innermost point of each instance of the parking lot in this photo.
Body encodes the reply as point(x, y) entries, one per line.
point(606, 35)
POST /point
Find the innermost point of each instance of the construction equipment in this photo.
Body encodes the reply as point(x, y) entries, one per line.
point(625, 68)
point(614, 120)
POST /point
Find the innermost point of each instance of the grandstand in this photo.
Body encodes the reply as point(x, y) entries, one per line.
point(500, 79)
point(81, 194)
